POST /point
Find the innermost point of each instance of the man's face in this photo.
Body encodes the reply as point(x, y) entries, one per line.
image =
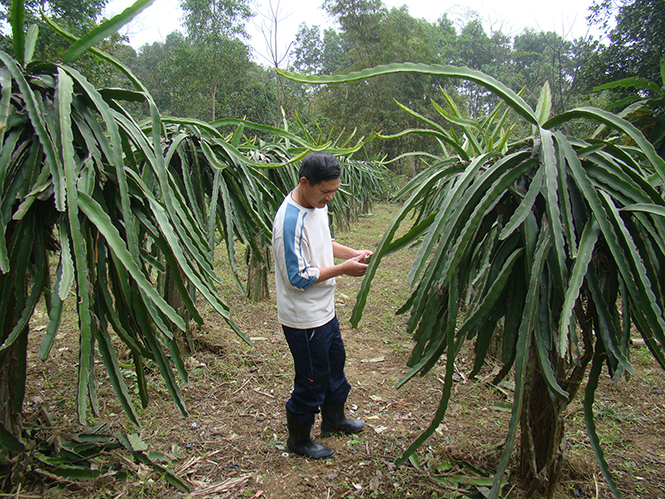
point(318, 195)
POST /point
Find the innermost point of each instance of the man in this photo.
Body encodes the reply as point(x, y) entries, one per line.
point(305, 271)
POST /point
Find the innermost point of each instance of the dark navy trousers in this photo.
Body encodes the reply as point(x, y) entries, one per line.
point(318, 357)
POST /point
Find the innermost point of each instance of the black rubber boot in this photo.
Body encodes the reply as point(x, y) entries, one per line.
point(334, 421)
point(299, 441)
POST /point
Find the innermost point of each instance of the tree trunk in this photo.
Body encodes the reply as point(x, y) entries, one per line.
point(542, 438)
point(257, 274)
point(213, 102)
point(174, 298)
point(11, 464)
point(412, 166)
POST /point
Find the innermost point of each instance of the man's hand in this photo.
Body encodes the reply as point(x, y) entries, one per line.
point(365, 254)
point(355, 266)
point(355, 263)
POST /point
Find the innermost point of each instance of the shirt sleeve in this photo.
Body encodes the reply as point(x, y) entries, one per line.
point(300, 273)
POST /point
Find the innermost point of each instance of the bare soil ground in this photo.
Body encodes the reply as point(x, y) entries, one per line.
point(232, 443)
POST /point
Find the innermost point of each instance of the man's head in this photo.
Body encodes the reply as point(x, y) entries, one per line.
point(318, 167)
point(319, 179)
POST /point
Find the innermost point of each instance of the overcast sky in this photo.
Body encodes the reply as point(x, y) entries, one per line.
point(565, 17)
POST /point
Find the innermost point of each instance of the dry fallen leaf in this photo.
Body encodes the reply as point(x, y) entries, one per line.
point(374, 359)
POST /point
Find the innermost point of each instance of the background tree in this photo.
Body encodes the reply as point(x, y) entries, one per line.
point(147, 63)
point(545, 57)
point(636, 42)
point(631, 69)
point(317, 53)
point(207, 73)
point(207, 20)
point(370, 35)
point(77, 17)
point(193, 80)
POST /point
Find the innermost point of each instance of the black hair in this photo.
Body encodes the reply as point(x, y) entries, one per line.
point(319, 167)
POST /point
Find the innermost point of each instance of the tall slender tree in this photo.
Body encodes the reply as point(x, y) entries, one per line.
point(637, 40)
point(213, 20)
point(371, 35)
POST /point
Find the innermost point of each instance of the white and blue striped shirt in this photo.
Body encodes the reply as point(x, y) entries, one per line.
point(302, 244)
